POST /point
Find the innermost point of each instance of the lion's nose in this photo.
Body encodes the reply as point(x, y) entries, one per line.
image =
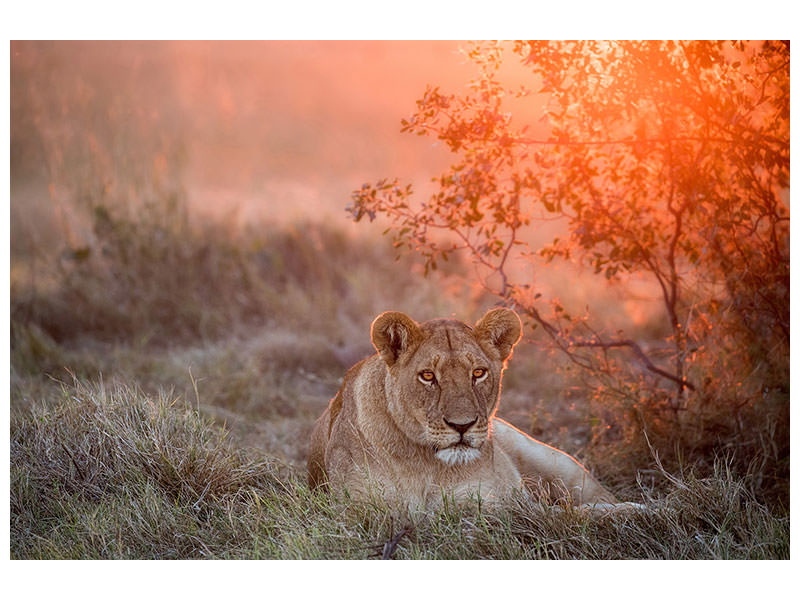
point(461, 428)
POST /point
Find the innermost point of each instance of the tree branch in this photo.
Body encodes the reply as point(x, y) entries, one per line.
point(565, 342)
point(639, 353)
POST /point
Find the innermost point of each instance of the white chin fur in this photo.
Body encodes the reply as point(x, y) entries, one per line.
point(458, 455)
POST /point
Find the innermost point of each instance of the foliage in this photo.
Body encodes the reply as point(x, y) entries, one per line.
point(665, 159)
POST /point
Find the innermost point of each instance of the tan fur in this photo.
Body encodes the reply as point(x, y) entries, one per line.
point(387, 424)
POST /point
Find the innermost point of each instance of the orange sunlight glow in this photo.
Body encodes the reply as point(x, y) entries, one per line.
point(271, 128)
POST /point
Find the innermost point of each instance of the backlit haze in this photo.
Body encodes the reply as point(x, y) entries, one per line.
point(249, 131)
point(281, 129)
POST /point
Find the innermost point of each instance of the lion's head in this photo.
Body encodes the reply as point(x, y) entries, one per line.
point(443, 381)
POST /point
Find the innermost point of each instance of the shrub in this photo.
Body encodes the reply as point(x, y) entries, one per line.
point(664, 160)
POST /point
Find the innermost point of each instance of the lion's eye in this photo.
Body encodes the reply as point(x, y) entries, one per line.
point(479, 374)
point(427, 376)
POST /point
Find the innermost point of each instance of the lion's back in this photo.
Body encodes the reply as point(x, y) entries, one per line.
point(316, 455)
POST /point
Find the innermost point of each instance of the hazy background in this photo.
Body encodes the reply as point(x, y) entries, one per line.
point(278, 129)
point(254, 132)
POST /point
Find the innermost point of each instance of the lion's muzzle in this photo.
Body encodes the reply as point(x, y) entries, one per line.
point(465, 448)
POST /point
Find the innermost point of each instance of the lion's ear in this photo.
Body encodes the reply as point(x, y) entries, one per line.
point(393, 333)
point(499, 330)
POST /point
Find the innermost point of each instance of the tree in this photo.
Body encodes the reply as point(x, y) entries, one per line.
point(665, 158)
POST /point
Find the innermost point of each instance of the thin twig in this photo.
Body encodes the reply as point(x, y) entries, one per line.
point(390, 547)
point(74, 462)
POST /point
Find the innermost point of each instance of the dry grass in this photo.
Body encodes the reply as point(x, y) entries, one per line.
point(101, 471)
point(150, 276)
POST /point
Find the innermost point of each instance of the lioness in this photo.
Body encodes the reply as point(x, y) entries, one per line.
point(418, 421)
